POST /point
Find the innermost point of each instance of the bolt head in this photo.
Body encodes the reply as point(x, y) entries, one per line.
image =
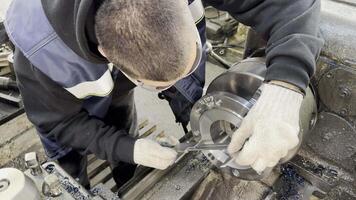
point(344, 92)
point(177, 187)
point(343, 111)
point(54, 185)
point(236, 172)
point(31, 160)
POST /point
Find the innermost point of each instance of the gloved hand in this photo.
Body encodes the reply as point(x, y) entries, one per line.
point(149, 153)
point(271, 127)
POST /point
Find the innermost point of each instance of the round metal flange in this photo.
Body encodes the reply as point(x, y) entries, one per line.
point(242, 79)
point(214, 124)
point(218, 114)
point(208, 117)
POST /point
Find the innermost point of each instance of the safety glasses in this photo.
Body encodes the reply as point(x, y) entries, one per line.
point(198, 57)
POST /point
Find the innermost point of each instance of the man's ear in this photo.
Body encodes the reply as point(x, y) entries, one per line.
point(100, 49)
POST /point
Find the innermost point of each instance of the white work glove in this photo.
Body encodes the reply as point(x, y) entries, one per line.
point(149, 153)
point(271, 127)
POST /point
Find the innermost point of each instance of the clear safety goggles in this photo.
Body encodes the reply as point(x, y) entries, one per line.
point(198, 57)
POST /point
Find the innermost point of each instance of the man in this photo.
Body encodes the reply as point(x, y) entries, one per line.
point(79, 105)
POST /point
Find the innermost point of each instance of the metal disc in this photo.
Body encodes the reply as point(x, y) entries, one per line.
point(337, 90)
point(334, 139)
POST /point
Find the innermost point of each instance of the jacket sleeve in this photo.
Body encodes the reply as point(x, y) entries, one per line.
point(59, 115)
point(291, 29)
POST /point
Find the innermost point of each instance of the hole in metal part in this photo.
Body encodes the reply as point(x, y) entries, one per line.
point(221, 131)
point(4, 184)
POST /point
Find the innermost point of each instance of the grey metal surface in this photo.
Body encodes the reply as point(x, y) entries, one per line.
point(322, 178)
point(334, 139)
point(224, 186)
point(177, 182)
point(243, 79)
point(330, 177)
point(337, 90)
point(181, 182)
point(338, 28)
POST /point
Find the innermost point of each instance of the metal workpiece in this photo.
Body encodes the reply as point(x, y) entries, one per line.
point(218, 114)
point(244, 78)
point(14, 184)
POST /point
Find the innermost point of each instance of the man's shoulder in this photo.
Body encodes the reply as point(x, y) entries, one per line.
point(28, 27)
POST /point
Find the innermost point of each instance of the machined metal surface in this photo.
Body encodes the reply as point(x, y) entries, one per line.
point(220, 112)
point(14, 184)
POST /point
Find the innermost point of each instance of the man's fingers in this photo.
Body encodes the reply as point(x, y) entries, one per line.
point(167, 154)
point(238, 138)
point(164, 157)
point(247, 155)
point(261, 164)
point(151, 154)
point(160, 159)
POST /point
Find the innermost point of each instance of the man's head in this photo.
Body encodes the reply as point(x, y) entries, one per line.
point(152, 41)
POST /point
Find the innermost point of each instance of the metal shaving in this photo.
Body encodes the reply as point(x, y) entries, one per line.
point(200, 163)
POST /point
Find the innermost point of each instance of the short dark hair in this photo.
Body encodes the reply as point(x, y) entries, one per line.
point(146, 39)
